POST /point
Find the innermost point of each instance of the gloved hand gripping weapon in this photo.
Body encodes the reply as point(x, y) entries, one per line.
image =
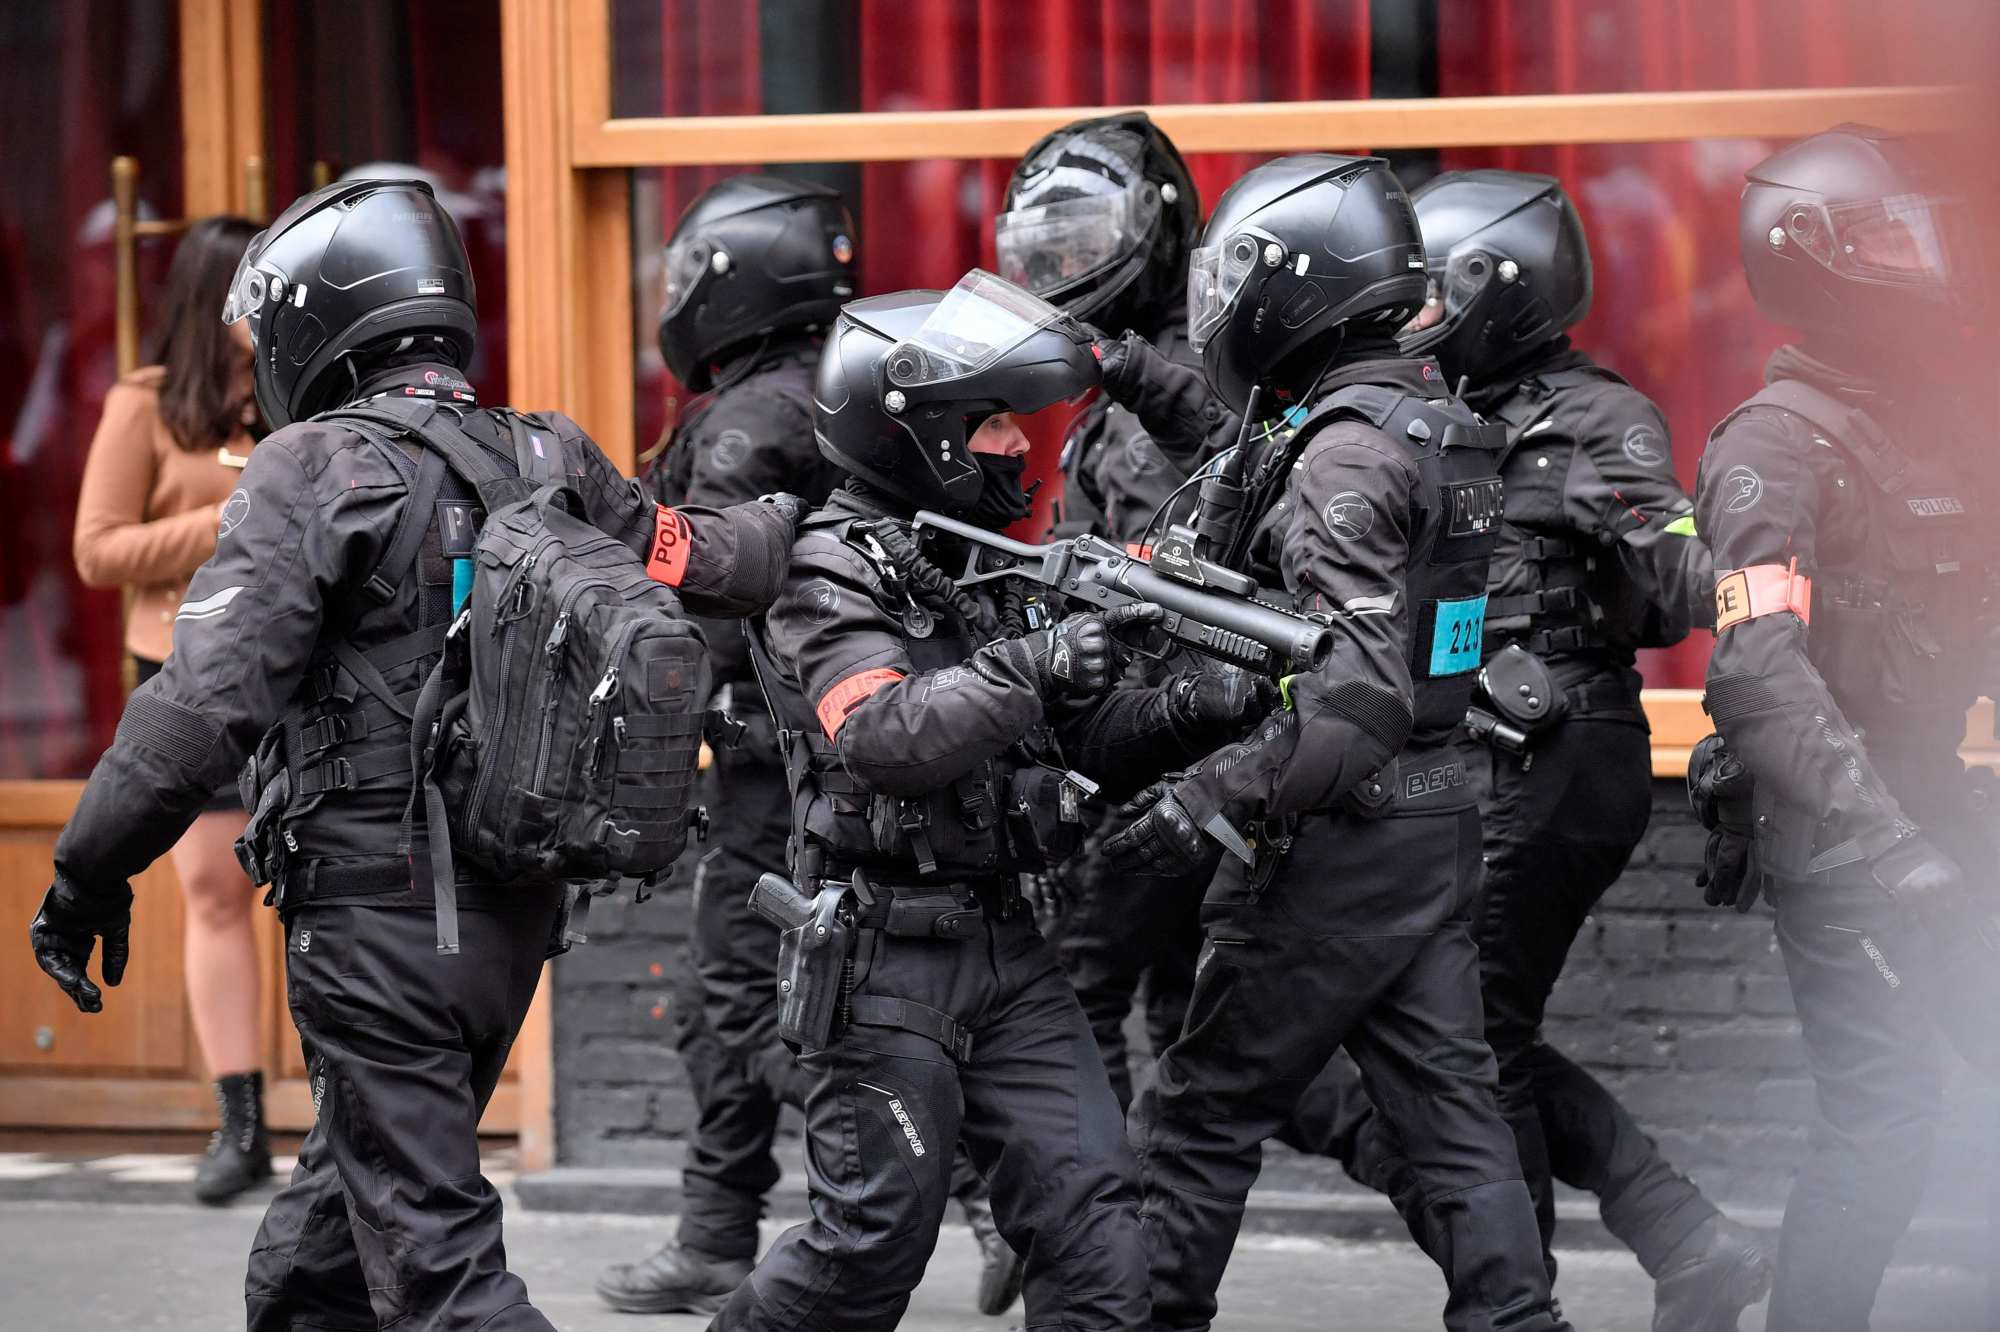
point(1213, 610)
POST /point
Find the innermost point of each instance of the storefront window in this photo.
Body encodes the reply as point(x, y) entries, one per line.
point(384, 88)
point(730, 58)
point(86, 81)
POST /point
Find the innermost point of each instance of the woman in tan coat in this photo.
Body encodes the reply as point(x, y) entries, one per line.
point(162, 467)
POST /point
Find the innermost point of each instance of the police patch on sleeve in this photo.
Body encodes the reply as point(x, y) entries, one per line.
point(234, 510)
point(1349, 515)
point(821, 600)
point(1644, 446)
point(1741, 489)
point(731, 447)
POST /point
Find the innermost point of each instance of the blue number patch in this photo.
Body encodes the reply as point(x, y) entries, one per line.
point(1456, 634)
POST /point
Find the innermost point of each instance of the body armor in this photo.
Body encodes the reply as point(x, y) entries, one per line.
point(1458, 457)
point(1008, 815)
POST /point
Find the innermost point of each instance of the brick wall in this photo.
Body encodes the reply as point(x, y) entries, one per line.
point(1682, 1010)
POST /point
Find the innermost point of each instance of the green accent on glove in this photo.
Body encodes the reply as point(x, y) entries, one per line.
point(1681, 526)
point(1285, 691)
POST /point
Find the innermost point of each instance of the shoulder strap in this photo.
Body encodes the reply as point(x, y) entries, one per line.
point(446, 446)
point(537, 452)
point(1857, 432)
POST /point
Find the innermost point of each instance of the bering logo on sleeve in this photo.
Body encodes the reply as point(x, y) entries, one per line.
point(208, 607)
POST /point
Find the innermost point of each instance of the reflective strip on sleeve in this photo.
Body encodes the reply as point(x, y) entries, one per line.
point(1762, 589)
point(848, 695)
point(672, 537)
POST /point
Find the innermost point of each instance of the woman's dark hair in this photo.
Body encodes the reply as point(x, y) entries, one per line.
point(202, 396)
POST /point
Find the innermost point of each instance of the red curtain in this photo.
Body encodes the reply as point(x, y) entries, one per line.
point(85, 81)
point(1671, 311)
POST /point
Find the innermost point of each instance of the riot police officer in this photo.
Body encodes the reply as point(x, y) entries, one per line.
point(1597, 557)
point(940, 739)
point(1351, 927)
point(318, 618)
point(1098, 219)
point(1853, 557)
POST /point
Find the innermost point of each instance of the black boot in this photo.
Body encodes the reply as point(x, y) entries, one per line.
point(239, 1153)
point(672, 1280)
point(1710, 1278)
point(1000, 1269)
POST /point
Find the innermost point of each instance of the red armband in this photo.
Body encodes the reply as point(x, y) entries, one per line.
point(850, 694)
point(667, 562)
point(1762, 589)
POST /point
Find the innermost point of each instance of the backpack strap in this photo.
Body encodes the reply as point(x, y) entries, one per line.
point(536, 450)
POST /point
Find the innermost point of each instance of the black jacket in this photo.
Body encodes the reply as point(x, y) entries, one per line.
point(751, 436)
point(299, 539)
point(1851, 720)
point(1598, 553)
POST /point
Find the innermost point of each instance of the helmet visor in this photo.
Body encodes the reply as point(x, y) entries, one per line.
point(687, 259)
point(1216, 276)
point(1448, 296)
point(979, 321)
point(1051, 246)
point(251, 285)
point(1902, 240)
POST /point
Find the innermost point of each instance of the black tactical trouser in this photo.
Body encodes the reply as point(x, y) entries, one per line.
point(1877, 997)
point(387, 1220)
point(726, 1019)
point(1361, 941)
point(1557, 834)
point(1122, 931)
point(1030, 1103)
point(726, 1014)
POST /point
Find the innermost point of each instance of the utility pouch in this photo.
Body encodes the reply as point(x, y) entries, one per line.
point(1521, 690)
point(937, 915)
point(811, 958)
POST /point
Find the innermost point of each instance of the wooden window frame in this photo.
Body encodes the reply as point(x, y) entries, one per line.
point(569, 226)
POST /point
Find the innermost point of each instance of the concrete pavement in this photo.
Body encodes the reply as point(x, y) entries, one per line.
point(82, 1266)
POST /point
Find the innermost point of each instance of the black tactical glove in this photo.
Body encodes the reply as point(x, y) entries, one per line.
point(1719, 790)
point(1222, 696)
point(68, 927)
point(1162, 839)
point(1078, 657)
point(794, 508)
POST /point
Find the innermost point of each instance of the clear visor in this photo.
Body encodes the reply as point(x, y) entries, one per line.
point(1046, 248)
point(979, 321)
point(1216, 275)
point(1902, 239)
point(687, 259)
point(251, 285)
point(1446, 297)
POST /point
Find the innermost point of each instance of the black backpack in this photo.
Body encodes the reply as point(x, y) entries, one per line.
point(557, 738)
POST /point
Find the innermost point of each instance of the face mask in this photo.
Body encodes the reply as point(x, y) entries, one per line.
point(1001, 500)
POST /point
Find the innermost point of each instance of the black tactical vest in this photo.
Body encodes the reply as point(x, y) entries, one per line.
point(1547, 587)
point(1458, 521)
point(1904, 565)
point(1006, 815)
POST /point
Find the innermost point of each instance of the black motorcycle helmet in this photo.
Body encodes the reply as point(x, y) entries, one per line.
point(906, 378)
point(346, 270)
point(752, 255)
point(1848, 234)
point(1509, 270)
point(1297, 249)
point(1098, 218)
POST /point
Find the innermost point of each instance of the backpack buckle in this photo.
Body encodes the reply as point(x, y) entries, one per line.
point(325, 732)
point(332, 775)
